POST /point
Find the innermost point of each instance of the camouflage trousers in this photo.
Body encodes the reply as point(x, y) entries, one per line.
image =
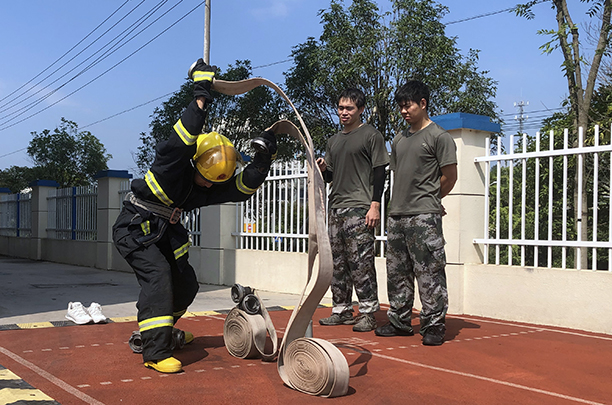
point(352, 245)
point(415, 249)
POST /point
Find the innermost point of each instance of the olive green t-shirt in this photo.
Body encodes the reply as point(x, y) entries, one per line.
point(352, 158)
point(416, 160)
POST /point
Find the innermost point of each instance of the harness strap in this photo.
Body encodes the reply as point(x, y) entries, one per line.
point(173, 215)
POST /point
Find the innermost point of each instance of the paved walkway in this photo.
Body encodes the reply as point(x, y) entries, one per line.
point(45, 359)
point(34, 291)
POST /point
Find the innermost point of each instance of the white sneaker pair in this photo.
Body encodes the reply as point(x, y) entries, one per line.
point(80, 315)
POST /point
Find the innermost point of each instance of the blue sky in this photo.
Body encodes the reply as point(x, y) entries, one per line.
point(36, 33)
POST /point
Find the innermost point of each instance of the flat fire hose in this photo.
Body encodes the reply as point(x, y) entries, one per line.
point(310, 365)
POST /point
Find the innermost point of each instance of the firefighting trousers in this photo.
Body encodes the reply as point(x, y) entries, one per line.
point(168, 284)
point(167, 288)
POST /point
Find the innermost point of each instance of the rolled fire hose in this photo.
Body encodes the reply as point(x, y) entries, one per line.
point(244, 332)
point(310, 365)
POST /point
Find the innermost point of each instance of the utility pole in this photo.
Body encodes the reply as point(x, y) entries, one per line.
point(207, 32)
point(520, 117)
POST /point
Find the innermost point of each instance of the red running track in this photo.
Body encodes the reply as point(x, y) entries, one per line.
point(484, 361)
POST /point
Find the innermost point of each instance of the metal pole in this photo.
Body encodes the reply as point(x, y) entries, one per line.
point(207, 32)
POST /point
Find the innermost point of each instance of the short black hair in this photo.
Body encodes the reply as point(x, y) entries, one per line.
point(413, 90)
point(355, 95)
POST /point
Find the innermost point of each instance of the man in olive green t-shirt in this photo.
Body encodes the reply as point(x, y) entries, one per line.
point(424, 160)
point(354, 163)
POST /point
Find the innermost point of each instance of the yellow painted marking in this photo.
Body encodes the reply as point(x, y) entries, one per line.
point(124, 319)
point(11, 395)
point(35, 325)
point(289, 307)
point(206, 313)
point(8, 375)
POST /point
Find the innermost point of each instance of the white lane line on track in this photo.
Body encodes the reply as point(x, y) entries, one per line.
point(51, 378)
point(547, 329)
point(478, 377)
point(215, 317)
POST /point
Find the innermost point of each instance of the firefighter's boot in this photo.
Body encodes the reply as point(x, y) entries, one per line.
point(169, 365)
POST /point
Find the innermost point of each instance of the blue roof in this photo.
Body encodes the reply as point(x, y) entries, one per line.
point(468, 121)
point(44, 183)
point(122, 174)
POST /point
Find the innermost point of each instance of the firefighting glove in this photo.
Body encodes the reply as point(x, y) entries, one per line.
point(202, 76)
point(265, 144)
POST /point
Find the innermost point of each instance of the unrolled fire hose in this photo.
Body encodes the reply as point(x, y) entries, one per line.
point(310, 365)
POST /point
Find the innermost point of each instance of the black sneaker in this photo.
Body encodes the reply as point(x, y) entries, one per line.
point(345, 318)
point(388, 330)
point(364, 323)
point(434, 335)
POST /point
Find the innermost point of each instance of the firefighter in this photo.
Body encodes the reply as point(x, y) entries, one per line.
point(191, 169)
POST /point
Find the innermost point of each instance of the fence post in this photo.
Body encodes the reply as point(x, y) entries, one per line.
point(3, 192)
point(109, 206)
point(465, 204)
point(217, 251)
point(40, 192)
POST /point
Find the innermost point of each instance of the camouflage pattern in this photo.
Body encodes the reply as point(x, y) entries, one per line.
point(415, 249)
point(352, 244)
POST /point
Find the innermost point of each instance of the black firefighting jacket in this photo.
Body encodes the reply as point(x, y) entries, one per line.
point(170, 181)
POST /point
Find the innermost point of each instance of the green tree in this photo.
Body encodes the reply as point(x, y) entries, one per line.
point(240, 118)
point(360, 46)
point(17, 178)
point(66, 155)
point(581, 74)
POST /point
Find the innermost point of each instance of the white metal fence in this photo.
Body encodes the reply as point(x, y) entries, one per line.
point(535, 200)
point(72, 213)
point(16, 215)
point(276, 217)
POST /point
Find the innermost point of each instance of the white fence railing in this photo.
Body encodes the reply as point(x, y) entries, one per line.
point(72, 213)
point(534, 203)
point(16, 215)
point(276, 217)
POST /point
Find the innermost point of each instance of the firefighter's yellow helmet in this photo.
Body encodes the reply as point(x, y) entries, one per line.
point(215, 157)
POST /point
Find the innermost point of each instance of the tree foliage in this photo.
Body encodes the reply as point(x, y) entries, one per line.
point(240, 118)
point(362, 47)
point(17, 178)
point(68, 156)
point(581, 73)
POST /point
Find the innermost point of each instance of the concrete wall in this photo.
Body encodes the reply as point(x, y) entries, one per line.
point(578, 299)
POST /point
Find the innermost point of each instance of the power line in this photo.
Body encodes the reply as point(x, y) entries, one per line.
point(67, 52)
point(70, 60)
point(102, 74)
point(128, 110)
point(104, 56)
point(272, 64)
point(538, 111)
point(12, 153)
point(488, 14)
